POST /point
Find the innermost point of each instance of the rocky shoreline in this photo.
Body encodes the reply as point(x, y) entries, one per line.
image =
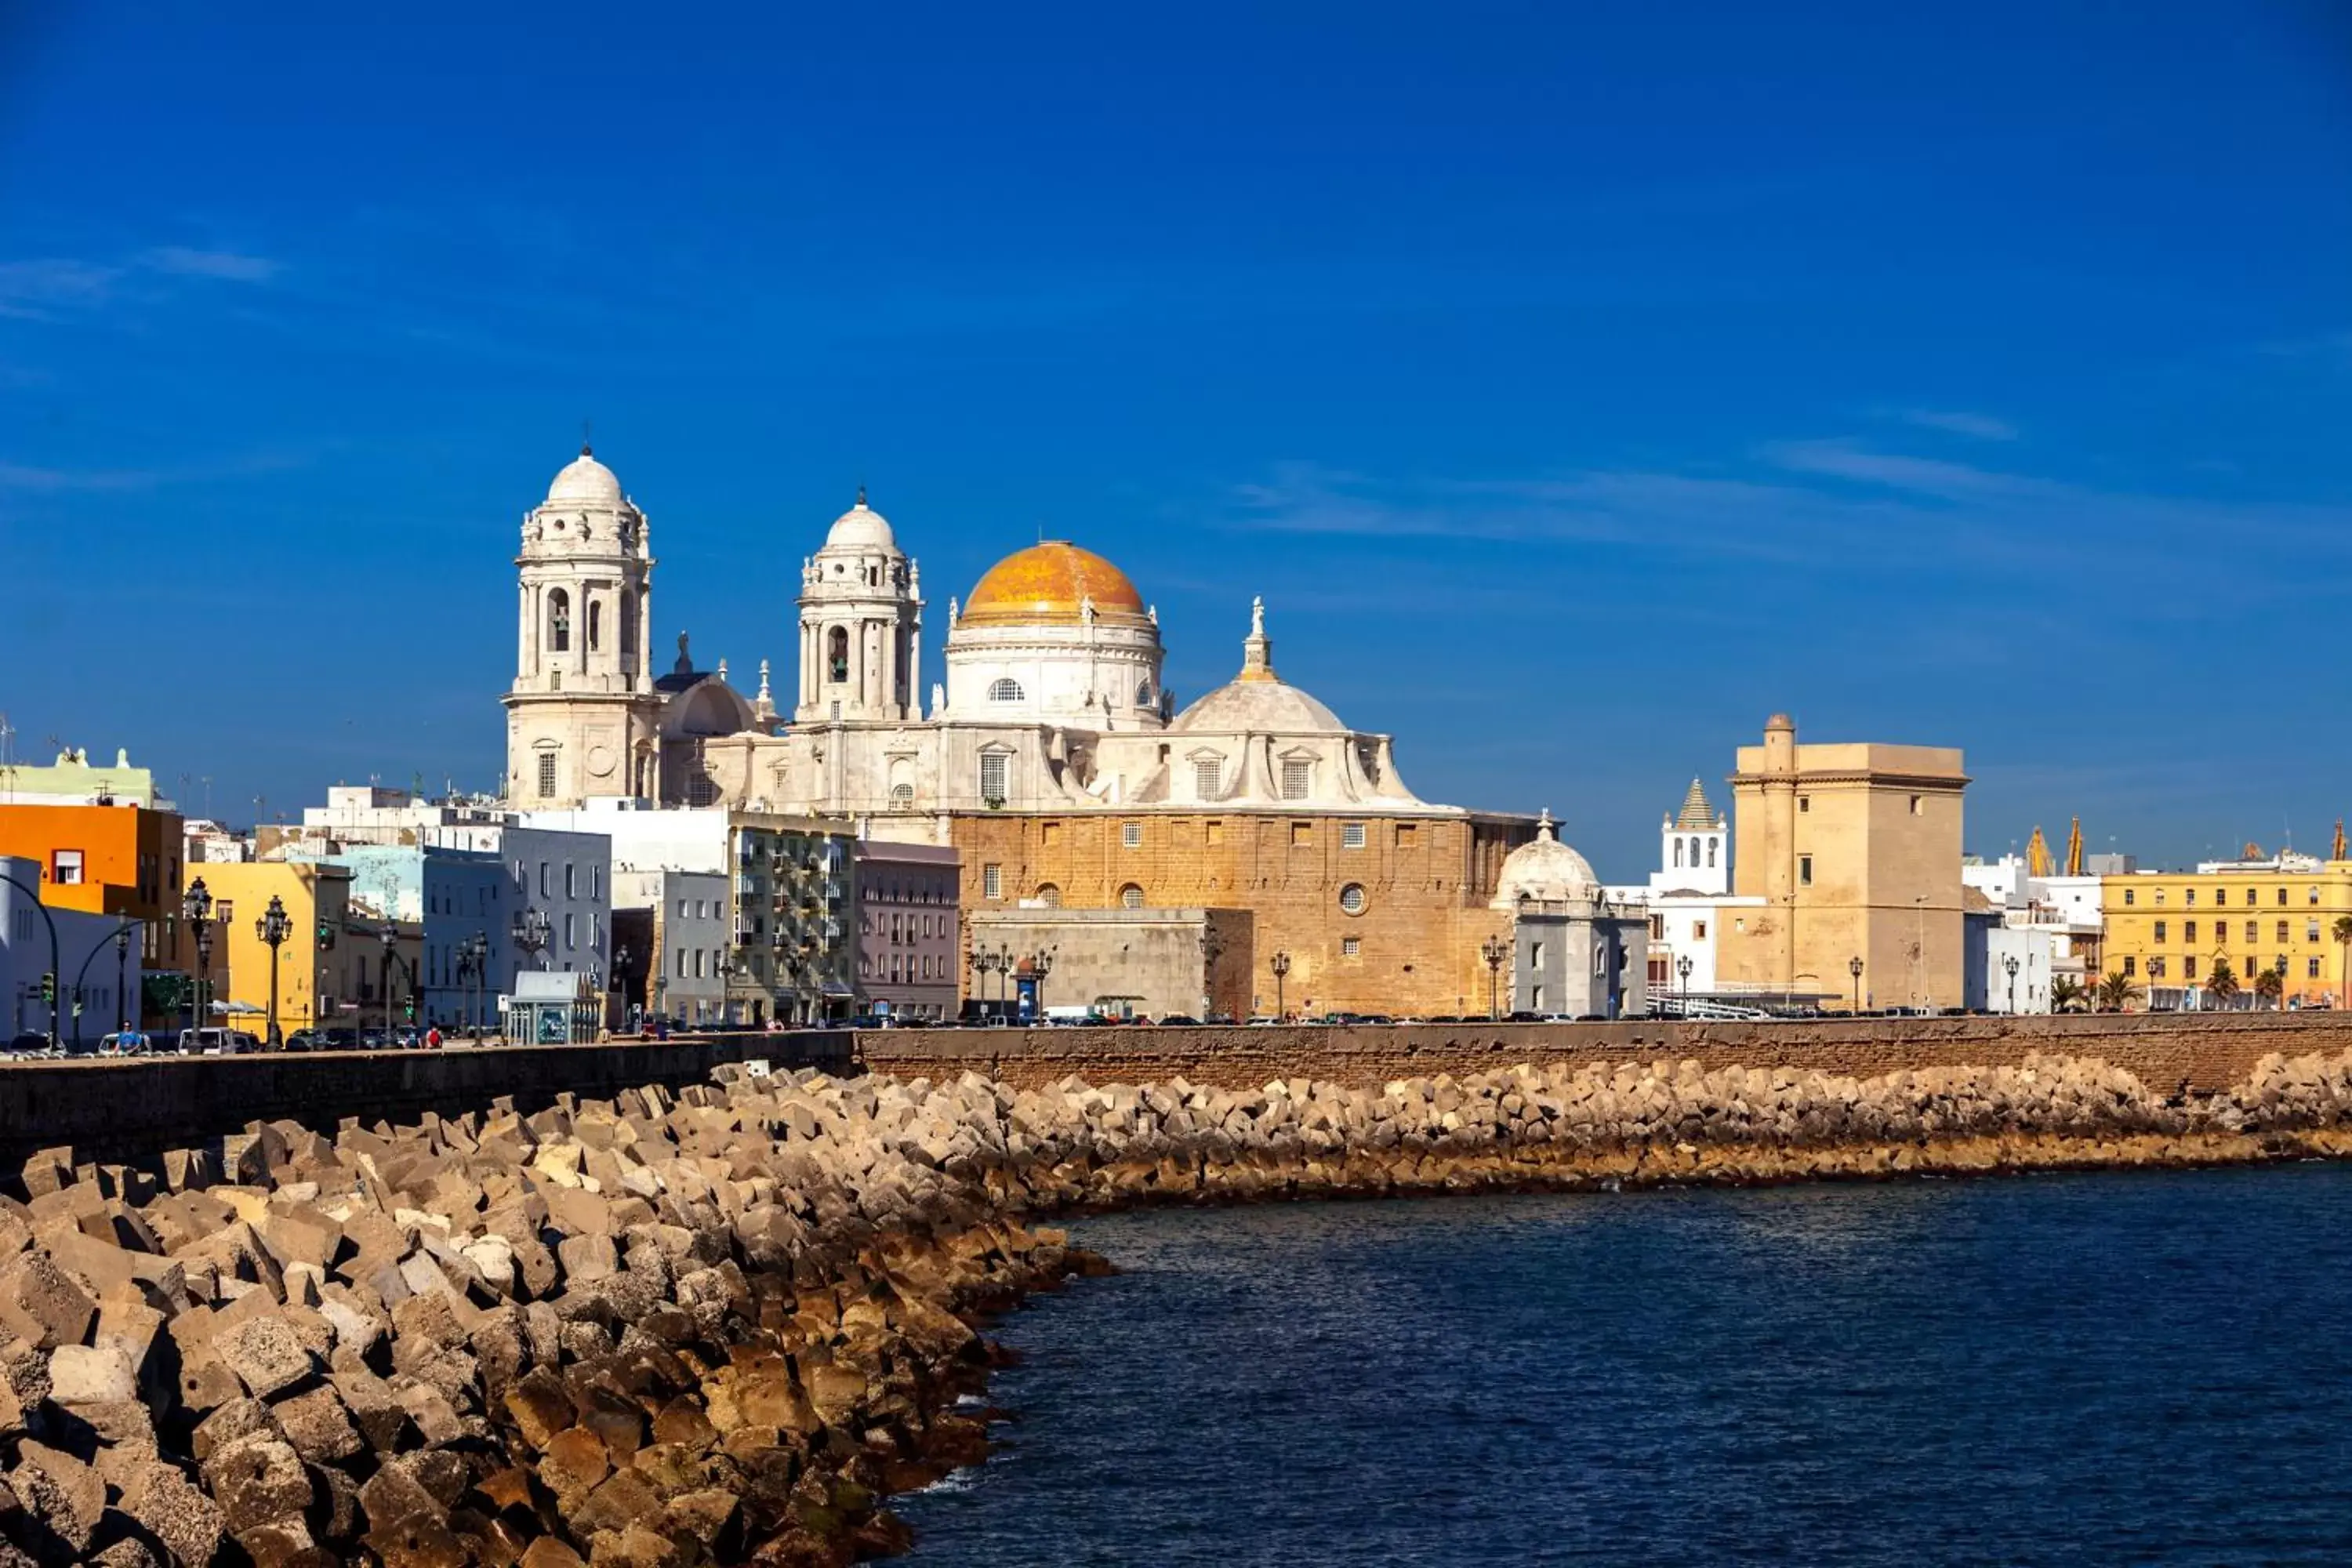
point(721, 1326)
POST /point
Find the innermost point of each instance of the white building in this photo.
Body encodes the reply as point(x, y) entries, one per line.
point(2053, 926)
point(1052, 701)
point(98, 978)
point(1685, 899)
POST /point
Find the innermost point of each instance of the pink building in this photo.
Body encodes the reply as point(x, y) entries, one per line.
point(909, 951)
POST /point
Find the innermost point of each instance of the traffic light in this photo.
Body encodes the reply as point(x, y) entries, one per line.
point(408, 1009)
point(50, 989)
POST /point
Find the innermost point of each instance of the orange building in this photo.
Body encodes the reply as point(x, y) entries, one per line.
point(119, 860)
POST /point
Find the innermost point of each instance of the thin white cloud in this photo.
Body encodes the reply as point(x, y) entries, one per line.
point(1954, 422)
point(228, 266)
point(26, 479)
point(1844, 459)
point(35, 290)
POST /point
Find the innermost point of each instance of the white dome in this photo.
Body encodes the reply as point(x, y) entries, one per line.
point(585, 481)
point(1258, 707)
point(1547, 871)
point(861, 528)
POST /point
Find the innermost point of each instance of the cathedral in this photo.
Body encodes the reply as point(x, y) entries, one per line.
point(1048, 751)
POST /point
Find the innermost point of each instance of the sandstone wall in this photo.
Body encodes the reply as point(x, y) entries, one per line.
point(2210, 1051)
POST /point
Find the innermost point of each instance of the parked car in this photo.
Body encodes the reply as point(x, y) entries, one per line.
point(28, 1043)
point(128, 1043)
point(340, 1040)
point(209, 1041)
point(1263, 1021)
point(1180, 1018)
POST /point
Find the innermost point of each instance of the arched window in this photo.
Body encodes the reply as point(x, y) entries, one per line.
point(1143, 693)
point(632, 607)
point(1351, 898)
point(1004, 689)
point(1131, 896)
point(902, 794)
point(595, 625)
point(559, 622)
point(1051, 895)
point(1710, 852)
point(1678, 854)
point(836, 654)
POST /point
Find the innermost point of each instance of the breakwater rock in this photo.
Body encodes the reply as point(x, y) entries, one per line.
point(719, 1326)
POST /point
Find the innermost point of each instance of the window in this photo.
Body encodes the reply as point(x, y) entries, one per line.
point(2156, 967)
point(2189, 896)
point(2254, 930)
point(1351, 898)
point(1804, 870)
point(1351, 947)
point(595, 881)
point(1297, 777)
point(2282, 898)
point(1131, 896)
point(992, 880)
point(1302, 835)
point(546, 775)
point(2311, 930)
point(1213, 833)
point(1710, 853)
point(2160, 929)
point(629, 613)
point(2188, 968)
point(1004, 689)
point(2311, 969)
point(2312, 896)
point(836, 654)
point(2131, 897)
point(1678, 854)
point(2250, 896)
point(1208, 776)
point(2189, 932)
point(571, 880)
point(1407, 835)
point(571, 932)
point(1535, 954)
point(2159, 897)
point(1143, 694)
point(1130, 836)
point(1698, 931)
point(1918, 806)
point(1804, 803)
point(1351, 836)
point(902, 794)
point(1657, 928)
point(65, 867)
point(994, 768)
point(2282, 930)
point(595, 624)
point(1049, 895)
point(2131, 966)
point(559, 621)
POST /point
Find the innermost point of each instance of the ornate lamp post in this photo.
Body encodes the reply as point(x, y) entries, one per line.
point(1041, 965)
point(1280, 964)
point(1854, 967)
point(1494, 951)
point(197, 905)
point(1682, 967)
point(2280, 1004)
point(122, 981)
point(620, 961)
point(532, 930)
point(273, 927)
point(390, 937)
point(2010, 963)
point(473, 969)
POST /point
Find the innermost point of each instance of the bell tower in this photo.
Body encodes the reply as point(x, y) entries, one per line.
point(583, 716)
point(861, 625)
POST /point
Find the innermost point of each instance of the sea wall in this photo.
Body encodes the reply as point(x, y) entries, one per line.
point(126, 1110)
point(2205, 1051)
point(719, 1326)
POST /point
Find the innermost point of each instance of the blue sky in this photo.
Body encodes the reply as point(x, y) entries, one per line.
point(1579, 384)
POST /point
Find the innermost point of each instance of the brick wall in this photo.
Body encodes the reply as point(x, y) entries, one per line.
point(2209, 1051)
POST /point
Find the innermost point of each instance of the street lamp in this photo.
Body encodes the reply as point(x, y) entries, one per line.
point(1041, 965)
point(198, 907)
point(1682, 967)
point(621, 962)
point(982, 963)
point(473, 970)
point(122, 981)
point(273, 927)
point(2010, 963)
point(1854, 967)
point(532, 930)
point(1280, 964)
point(2280, 1003)
point(390, 937)
point(1494, 951)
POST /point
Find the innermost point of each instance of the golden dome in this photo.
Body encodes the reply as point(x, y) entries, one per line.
point(1047, 584)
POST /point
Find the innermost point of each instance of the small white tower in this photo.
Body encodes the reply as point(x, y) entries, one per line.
point(1693, 848)
point(583, 716)
point(861, 624)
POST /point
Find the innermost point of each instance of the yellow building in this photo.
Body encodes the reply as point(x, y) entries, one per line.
point(331, 966)
point(1855, 851)
point(2165, 929)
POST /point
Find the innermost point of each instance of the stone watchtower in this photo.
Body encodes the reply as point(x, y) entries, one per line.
point(861, 625)
point(583, 716)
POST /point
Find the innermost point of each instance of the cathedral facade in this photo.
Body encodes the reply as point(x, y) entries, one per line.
point(1047, 751)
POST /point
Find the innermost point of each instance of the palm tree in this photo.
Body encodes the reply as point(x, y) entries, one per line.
point(2269, 985)
point(2343, 935)
point(2065, 994)
point(2223, 982)
point(2116, 993)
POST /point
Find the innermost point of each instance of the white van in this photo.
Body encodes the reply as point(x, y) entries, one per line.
point(208, 1042)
